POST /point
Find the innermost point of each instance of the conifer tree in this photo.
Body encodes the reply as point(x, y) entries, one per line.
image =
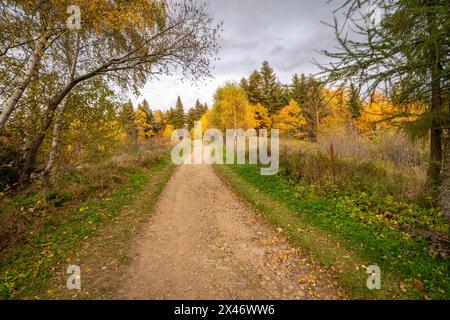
point(271, 95)
point(253, 89)
point(127, 119)
point(299, 89)
point(178, 119)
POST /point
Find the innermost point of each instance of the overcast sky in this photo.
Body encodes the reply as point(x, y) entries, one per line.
point(286, 33)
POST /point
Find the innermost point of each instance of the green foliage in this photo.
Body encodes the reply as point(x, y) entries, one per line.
point(177, 117)
point(195, 114)
point(264, 88)
point(355, 104)
point(299, 89)
point(359, 222)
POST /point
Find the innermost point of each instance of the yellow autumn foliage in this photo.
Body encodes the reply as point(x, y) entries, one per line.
point(145, 129)
point(231, 110)
point(289, 120)
point(168, 131)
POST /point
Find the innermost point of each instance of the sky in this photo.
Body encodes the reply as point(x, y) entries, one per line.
point(287, 33)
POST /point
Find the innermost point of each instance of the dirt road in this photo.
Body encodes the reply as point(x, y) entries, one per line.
point(204, 243)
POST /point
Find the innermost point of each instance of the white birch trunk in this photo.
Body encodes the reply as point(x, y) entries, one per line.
point(23, 82)
point(60, 119)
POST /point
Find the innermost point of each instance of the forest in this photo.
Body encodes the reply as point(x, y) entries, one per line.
point(365, 144)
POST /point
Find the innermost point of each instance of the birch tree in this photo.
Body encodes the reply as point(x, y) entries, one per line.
point(171, 36)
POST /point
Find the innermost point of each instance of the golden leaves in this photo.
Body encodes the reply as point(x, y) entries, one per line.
point(289, 120)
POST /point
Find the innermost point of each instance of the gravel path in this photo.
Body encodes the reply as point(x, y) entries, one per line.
point(204, 243)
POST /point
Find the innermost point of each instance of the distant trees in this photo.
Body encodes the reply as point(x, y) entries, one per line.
point(289, 120)
point(145, 121)
point(163, 123)
point(195, 114)
point(355, 104)
point(264, 88)
point(322, 109)
point(299, 89)
point(231, 109)
point(309, 108)
point(177, 116)
point(128, 120)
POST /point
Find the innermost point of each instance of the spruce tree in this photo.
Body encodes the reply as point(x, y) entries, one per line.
point(271, 95)
point(191, 117)
point(178, 116)
point(299, 89)
point(253, 89)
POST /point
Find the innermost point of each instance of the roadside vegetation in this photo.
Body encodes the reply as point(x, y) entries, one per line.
point(48, 224)
point(351, 212)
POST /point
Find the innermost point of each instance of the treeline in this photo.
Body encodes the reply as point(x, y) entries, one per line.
point(177, 118)
point(144, 123)
point(302, 109)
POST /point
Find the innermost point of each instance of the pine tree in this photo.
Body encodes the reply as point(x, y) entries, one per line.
point(191, 117)
point(253, 89)
point(169, 116)
point(195, 114)
point(271, 91)
point(299, 89)
point(178, 116)
point(200, 109)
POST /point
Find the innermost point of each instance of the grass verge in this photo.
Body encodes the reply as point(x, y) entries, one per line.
point(35, 268)
point(326, 228)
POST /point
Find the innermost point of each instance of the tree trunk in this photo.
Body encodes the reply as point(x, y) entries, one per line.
point(435, 166)
point(23, 82)
point(444, 196)
point(55, 139)
point(72, 62)
point(32, 150)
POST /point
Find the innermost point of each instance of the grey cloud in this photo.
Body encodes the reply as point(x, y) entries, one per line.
point(287, 33)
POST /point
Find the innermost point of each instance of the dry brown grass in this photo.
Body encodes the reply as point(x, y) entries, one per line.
point(390, 163)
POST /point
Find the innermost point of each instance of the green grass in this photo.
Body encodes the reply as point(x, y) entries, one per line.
point(331, 229)
point(27, 270)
